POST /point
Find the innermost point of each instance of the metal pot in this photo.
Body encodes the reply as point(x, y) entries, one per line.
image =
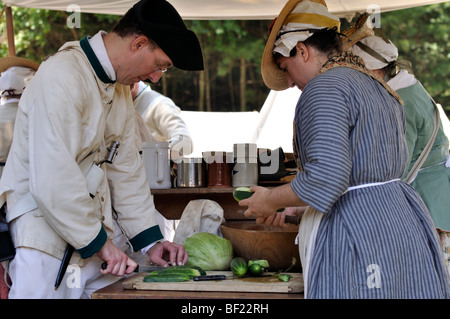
point(191, 172)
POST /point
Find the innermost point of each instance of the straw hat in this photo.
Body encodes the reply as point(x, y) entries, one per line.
point(7, 62)
point(15, 73)
point(308, 14)
point(362, 29)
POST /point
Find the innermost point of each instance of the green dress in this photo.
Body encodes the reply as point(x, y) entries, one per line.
point(433, 180)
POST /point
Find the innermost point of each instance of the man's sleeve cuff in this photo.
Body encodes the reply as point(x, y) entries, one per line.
point(146, 237)
point(94, 246)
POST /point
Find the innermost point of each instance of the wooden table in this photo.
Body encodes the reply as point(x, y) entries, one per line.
point(116, 291)
point(179, 304)
point(171, 203)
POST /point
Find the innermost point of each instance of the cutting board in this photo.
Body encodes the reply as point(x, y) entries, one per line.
point(247, 284)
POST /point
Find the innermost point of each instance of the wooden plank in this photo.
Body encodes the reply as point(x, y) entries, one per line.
point(172, 202)
point(194, 190)
point(116, 291)
point(266, 284)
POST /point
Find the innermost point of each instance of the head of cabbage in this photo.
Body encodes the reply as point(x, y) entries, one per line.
point(208, 251)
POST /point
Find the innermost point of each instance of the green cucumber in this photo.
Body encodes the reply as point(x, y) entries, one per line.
point(238, 266)
point(190, 272)
point(284, 277)
point(168, 277)
point(201, 271)
point(255, 270)
point(241, 193)
point(262, 262)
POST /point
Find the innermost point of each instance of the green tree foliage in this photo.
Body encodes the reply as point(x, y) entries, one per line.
point(422, 37)
point(39, 33)
point(230, 49)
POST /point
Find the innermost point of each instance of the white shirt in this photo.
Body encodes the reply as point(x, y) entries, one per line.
point(98, 46)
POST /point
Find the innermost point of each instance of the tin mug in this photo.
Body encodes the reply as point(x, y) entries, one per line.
point(157, 164)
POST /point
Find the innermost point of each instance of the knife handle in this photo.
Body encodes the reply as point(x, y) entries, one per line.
point(292, 220)
point(210, 277)
point(105, 265)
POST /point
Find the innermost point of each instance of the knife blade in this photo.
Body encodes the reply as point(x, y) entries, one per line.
point(149, 268)
point(140, 268)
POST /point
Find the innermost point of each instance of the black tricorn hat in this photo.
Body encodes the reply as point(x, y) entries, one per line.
point(161, 22)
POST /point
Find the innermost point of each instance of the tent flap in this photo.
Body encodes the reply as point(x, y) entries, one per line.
point(223, 9)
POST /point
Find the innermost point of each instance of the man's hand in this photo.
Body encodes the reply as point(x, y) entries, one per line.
point(166, 252)
point(118, 262)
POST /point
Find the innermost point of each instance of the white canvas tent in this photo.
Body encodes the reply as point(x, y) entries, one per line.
point(223, 9)
point(270, 128)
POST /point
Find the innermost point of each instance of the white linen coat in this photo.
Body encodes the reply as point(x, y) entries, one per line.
point(65, 114)
point(8, 112)
point(163, 119)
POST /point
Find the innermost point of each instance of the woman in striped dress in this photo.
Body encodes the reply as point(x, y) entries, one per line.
point(366, 234)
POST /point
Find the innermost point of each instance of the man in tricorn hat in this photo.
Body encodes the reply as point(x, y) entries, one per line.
point(63, 182)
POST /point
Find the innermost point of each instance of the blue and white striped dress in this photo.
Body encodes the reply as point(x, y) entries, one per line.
point(372, 242)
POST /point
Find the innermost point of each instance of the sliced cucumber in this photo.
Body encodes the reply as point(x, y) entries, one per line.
point(284, 277)
point(241, 193)
point(262, 262)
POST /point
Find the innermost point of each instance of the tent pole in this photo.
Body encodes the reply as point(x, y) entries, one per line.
point(10, 31)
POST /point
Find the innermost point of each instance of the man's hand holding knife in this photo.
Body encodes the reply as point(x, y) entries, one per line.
point(117, 262)
point(161, 254)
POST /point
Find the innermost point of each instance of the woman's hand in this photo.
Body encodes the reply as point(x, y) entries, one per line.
point(258, 204)
point(265, 202)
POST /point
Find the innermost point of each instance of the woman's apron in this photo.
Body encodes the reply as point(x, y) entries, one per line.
point(308, 228)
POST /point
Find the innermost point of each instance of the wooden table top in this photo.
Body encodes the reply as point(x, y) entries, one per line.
point(117, 291)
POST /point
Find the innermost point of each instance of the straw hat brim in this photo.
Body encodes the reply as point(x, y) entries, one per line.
point(7, 62)
point(273, 77)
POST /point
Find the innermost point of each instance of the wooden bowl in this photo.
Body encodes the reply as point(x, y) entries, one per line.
point(256, 241)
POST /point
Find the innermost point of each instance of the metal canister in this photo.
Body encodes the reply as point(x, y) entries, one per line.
point(191, 172)
point(245, 169)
